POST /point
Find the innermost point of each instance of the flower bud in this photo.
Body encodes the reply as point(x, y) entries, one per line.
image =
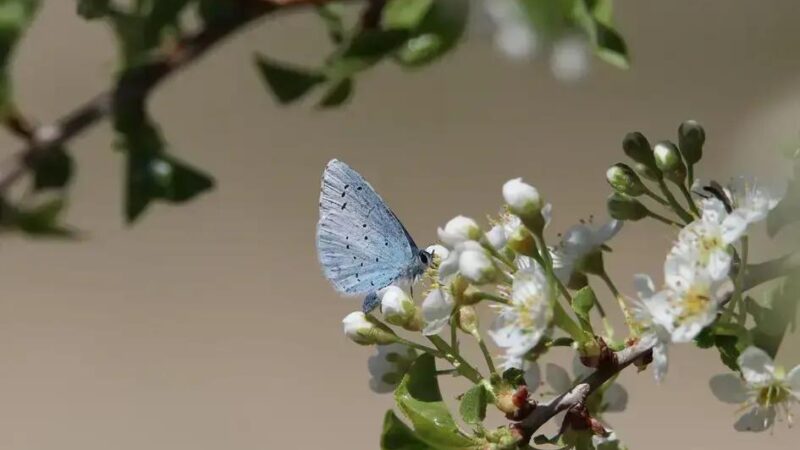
point(651, 173)
point(668, 160)
point(468, 320)
point(691, 137)
point(458, 230)
point(523, 200)
point(496, 237)
point(364, 330)
point(637, 147)
point(398, 309)
point(622, 207)
point(624, 180)
point(475, 265)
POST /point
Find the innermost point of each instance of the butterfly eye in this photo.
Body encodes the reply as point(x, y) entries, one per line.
point(423, 257)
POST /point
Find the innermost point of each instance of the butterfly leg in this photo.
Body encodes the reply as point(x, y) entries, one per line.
point(371, 301)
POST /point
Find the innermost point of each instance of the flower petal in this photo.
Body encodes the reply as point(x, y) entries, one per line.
point(728, 388)
point(756, 420)
point(436, 309)
point(757, 367)
point(793, 380)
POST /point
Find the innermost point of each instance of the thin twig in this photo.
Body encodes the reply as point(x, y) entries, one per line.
point(134, 86)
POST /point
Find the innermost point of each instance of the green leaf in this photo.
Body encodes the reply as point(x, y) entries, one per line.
point(331, 15)
point(473, 404)
point(42, 220)
point(595, 22)
point(15, 17)
point(419, 398)
point(728, 351)
point(438, 33)
point(338, 94)
point(287, 83)
point(405, 13)
point(582, 303)
point(514, 376)
point(53, 169)
point(398, 436)
point(93, 9)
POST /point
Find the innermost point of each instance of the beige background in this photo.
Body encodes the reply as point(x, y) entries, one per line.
point(210, 326)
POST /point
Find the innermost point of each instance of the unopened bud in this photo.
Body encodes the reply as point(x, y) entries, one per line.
point(524, 202)
point(459, 229)
point(475, 264)
point(398, 309)
point(624, 180)
point(668, 160)
point(637, 147)
point(691, 137)
point(364, 330)
point(622, 207)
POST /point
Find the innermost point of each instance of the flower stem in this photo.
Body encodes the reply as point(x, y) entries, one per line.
point(685, 216)
point(420, 347)
point(454, 332)
point(659, 199)
point(739, 298)
point(663, 219)
point(463, 367)
point(622, 305)
point(689, 200)
point(486, 355)
point(493, 297)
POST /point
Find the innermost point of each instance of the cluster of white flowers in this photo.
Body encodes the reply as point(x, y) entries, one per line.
point(697, 271)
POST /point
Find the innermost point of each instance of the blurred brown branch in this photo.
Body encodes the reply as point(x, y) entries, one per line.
point(133, 85)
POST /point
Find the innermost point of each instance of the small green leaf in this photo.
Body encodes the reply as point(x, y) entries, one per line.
point(582, 303)
point(595, 22)
point(41, 220)
point(338, 94)
point(438, 33)
point(514, 376)
point(405, 13)
point(15, 17)
point(53, 169)
point(473, 404)
point(287, 83)
point(398, 436)
point(419, 398)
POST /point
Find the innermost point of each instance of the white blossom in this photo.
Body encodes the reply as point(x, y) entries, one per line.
point(692, 299)
point(578, 242)
point(357, 328)
point(765, 390)
point(707, 239)
point(436, 310)
point(570, 58)
point(520, 325)
point(387, 367)
point(459, 229)
point(474, 263)
point(751, 200)
point(653, 304)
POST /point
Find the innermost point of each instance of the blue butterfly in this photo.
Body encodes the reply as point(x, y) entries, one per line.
point(361, 244)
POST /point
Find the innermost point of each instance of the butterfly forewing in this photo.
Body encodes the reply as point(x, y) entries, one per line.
point(361, 245)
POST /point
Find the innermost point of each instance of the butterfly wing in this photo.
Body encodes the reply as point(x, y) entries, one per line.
point(361, 244)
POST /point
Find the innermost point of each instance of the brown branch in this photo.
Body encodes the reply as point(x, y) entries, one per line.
point(133, 86)
point(543, 412)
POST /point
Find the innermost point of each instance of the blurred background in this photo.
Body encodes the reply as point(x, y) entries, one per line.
point(210, 326)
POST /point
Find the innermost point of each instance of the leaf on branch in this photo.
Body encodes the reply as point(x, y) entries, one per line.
point(338, 94)
point(38, 220)
point(15, 17)
point(93, 9)
point(287, 83)
point(473, 404)
point(594, 18)
point(53, 169)
point(436, 34)
point(419, 398)
point(152, 174)
point(398, 436)
point(405, 14)
point(582, 303)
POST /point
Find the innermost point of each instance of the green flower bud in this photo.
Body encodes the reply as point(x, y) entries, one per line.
point(669, 161)
point(521, 241)
point(637, 147)
point(365, 330)
point(623, 207)
point(624, 180)
point(652, 174)
point(691, 137)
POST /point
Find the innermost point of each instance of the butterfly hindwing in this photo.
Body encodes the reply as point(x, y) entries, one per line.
point(361, 244)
